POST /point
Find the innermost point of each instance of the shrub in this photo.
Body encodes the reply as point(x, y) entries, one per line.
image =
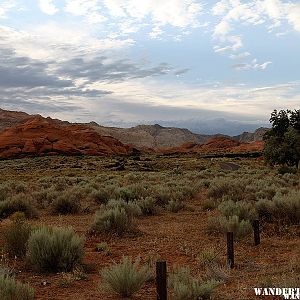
point(17, 235)
point(126, 194)
point(209, 204)
point(113, 220)
point(55, 249)
point(100, 196)
point(147, 206)
point(10, 289)
point(45, 197)
point(265, 209)
point(244, 210)
point(209, 256)
point(174, 206)
point(240, 228)
point(132, 208)
point(287, 207)
point(162, 195)
point(223, 187)
point(186, 287)
point(125, 278)
point(283, 207)
point(17, 203)
point(65, 205)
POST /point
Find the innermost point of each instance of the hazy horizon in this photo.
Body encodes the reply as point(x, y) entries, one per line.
point(209, 66)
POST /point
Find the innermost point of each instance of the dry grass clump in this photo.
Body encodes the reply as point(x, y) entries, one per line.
point(16, 236)
point(10, 289)
point(185, 287)
point(17, 203)
point(55, 249)
point(125, 278)
point(117, 217)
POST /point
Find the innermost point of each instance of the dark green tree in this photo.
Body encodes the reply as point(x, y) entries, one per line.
point(282, 142)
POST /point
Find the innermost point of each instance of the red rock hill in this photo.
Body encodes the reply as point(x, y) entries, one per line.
point(40, 136)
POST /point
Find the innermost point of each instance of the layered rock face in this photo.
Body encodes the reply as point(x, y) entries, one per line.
point(40, 136)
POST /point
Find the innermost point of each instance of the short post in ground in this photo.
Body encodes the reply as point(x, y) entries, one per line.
point(256, 232)
point(230, 249)
point(161, 280)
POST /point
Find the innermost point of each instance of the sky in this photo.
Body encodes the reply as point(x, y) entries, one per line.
point(206, 65)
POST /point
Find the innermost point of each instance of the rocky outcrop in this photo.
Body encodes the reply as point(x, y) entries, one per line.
point(151, 136)
point(216, 145)
point(247, 137)
point(39, 136)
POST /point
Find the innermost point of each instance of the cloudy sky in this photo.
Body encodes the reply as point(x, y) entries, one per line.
point(211, 66)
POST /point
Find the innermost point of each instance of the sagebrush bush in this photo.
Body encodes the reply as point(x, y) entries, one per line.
point(101, 196)
point(244, 210)
point(125, 278)
point(132, 208)
point(64, 205)
point(185, 287)
point(17, 235)
point(147, 205)
point(45, 197)
point(221, 224)
point(10, 289)
point(113, 220)
point(55, 249)
point(19, 202)
point(283, 207)
point(223, 187)
point(175, 206)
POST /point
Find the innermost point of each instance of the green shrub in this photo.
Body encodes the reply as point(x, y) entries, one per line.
point(147, 206)
point(17, 203)
point(132, 208)
point(221, 224)
point(125, 278)
point(244, 210)
point(55, 249)
point(113, 220)
point(285, 208)
point(219, 188)
point(126, 194)
point(209, 204)
point(17, 235)
point(64, 205)
point(100, 196)
point(174, 206)
point(45, 197)
point(208, 256)
point(162, 195)
point(10, 289)
point(185, 287)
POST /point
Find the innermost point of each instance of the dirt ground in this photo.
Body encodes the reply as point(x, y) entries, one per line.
point(176, 238)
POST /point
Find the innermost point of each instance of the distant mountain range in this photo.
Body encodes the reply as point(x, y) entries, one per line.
point(21, 133)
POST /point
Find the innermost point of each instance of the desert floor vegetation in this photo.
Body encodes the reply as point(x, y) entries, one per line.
point(82, 222)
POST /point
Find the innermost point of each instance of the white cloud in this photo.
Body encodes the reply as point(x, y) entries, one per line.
point(90, 9)
point(294, 17)
point(44, 43)
point(5, 7)
point(48, 7)
point(254, 65)
point(242, 55)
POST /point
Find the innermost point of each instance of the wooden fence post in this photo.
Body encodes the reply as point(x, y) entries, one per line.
point(230, 249)
point(256, 232)
point(161, 280)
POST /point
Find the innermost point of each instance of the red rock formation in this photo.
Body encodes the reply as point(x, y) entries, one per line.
point(216, 145)
point(40, 136)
